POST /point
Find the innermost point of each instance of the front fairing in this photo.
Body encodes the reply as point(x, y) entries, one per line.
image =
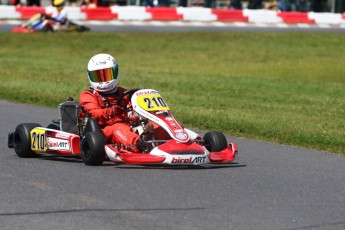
point(149, 104)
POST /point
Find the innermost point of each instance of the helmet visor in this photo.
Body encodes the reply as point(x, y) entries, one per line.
point(103, 75)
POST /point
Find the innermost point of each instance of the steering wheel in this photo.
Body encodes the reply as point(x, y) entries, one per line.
point(129, 92)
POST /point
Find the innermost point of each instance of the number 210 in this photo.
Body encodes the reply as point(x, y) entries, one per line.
point(38, 138)
point(155, 102)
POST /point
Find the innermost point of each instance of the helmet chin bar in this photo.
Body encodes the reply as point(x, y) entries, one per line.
point(110, 91)
point(105, 88)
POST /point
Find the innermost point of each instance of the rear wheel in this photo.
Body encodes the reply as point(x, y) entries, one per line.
point(47, 29)
point(215, 141)
point(54, 126)
point(93, 152)
point(22, 140)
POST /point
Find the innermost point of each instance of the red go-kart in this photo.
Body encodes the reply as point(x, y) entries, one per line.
point(81, 136)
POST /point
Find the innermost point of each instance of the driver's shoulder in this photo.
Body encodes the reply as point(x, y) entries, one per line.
point(120, 90)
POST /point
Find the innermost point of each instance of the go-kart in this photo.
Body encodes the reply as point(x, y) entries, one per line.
point(44, 23)
point(80, 135)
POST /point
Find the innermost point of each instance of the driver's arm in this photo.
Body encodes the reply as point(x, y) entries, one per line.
point(90, 103)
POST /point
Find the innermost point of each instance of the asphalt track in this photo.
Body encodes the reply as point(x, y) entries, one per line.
point(268, 187)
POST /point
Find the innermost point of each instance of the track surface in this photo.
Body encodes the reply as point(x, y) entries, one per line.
point(269, 186)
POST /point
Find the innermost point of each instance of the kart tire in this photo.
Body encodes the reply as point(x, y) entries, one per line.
point(92, 147)
point(47, 29)
point(215, 141)
point(53, 126)
point(83, 28)
point(22, 140)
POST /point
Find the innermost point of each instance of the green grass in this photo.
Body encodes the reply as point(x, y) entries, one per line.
point(282, 87)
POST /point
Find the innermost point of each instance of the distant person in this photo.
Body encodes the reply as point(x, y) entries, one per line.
point(33, 2)
point(209, 3)
point(183, 3)
point(15, 2)
point(72, 2)
point(147, 3)
point(316, 5)
point(60, 15)
point(236, 4)
point(255, 4)
point(164, 3)
point(103, 3)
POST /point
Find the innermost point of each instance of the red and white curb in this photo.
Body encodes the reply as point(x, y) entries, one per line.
point(180, 14)
point(196, 24)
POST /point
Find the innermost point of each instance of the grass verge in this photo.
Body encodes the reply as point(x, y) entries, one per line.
point(281, 87)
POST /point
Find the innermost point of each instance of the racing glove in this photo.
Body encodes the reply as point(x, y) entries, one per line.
point(116, 110)
point(141, 145)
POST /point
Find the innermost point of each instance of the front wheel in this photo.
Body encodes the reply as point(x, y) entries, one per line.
point(47, 29)
point(92, 146)
point(215, 141)
point(22, 140)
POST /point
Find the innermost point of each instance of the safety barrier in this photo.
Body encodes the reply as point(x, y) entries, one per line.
point(138, 13)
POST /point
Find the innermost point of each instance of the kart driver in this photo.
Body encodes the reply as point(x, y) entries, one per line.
point(60, 15)
point(100, 102)
point(57, 14)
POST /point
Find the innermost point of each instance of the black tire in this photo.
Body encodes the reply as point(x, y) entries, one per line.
point(22, 140)
point(215, 141)
point(83, 29)
point(54, 126)
point(92, 147)
point(47, 29)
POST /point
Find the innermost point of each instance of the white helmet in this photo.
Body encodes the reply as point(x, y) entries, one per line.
point(103, 73)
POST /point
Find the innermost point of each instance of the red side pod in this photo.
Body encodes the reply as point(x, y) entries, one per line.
point(20, 29)
point(75, 144)
point(139, 158)
point(62, 143)
point(127, 157)
point(224, 156)
point(175, 148)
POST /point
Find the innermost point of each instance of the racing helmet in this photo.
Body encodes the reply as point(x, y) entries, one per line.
point(59, 3)
point(103, 73)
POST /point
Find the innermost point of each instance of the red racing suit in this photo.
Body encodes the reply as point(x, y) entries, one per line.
point(113, 118)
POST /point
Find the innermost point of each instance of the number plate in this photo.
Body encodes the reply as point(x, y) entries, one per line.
point(152, 102)
point(38, 140)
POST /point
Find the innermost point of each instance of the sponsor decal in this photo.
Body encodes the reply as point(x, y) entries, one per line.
point(190, 160)
point(57, 144)
point(123, 137)
point(100, 87)
point(63, 135)
point(181, 136)
point(146, 92)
